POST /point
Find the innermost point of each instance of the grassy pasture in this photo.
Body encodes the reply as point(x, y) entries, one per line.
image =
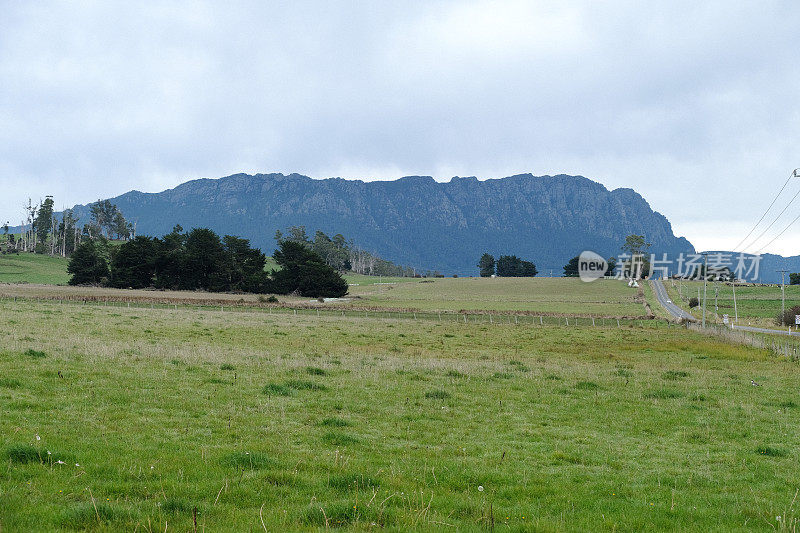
point(540, 296)
point(565, 296)
point(301, 423)
point(32, 268)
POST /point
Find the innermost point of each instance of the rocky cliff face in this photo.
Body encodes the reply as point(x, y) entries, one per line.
point(415, 220)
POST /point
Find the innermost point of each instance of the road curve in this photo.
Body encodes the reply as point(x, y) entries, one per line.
point(661, 295)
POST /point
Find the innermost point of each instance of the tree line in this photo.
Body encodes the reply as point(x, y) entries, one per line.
point(505, 266)
point(343, 255)
point(43, 233)
point(201, 260)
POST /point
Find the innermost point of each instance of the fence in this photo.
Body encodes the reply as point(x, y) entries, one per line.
point(462, 317)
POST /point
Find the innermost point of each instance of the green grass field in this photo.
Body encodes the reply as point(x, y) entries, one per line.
point(757, 305)
point(545, 296)
point(128, 419)
point(567, 296)
point(32, 268)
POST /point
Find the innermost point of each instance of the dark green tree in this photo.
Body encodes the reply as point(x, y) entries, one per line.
point(120, 226)
point(513, 266)
point(205, 261)
point(612, 266)
point(66, 231)
point(134, 263)
point(88, 264)
point(571, 268)
point(245, 265)
point(304, 271)
point(486, 265)
point(44, 222)
point(635, 245)
point(794, 278)
point(170, 260)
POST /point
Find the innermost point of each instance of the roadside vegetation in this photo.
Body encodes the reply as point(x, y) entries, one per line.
point(758, 305)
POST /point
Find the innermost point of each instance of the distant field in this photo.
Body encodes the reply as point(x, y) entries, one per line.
point(302, 423)
point(32, 268)
point(360, 279)
point(547, 296)
point(757, 305)
point(568, 296)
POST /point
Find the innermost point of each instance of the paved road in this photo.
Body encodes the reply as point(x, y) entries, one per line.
point(766, 330)
point(661, 295)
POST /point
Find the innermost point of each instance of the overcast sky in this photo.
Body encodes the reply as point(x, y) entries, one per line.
point(696, 105)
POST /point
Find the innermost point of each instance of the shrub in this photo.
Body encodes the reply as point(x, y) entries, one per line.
point(693, 302)
point(787, 318)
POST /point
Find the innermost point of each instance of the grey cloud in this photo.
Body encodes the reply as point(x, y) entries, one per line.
point(675, 100)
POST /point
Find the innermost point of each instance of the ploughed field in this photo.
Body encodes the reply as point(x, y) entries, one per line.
point(117, 418)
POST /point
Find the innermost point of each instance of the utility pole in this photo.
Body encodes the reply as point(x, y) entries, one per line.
point(783, 292)
point(705, 285)
point(735, 309)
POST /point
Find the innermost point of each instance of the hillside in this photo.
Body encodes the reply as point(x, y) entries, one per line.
point(415, 220)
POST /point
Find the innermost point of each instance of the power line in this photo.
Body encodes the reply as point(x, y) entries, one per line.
point(792, 175)
point(778, 235)
point(774, 221)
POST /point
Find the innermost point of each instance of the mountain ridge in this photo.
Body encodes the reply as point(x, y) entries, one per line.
point(414, 220)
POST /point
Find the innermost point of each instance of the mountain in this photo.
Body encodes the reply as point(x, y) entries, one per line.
point(415, 220)
point(768, 266)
